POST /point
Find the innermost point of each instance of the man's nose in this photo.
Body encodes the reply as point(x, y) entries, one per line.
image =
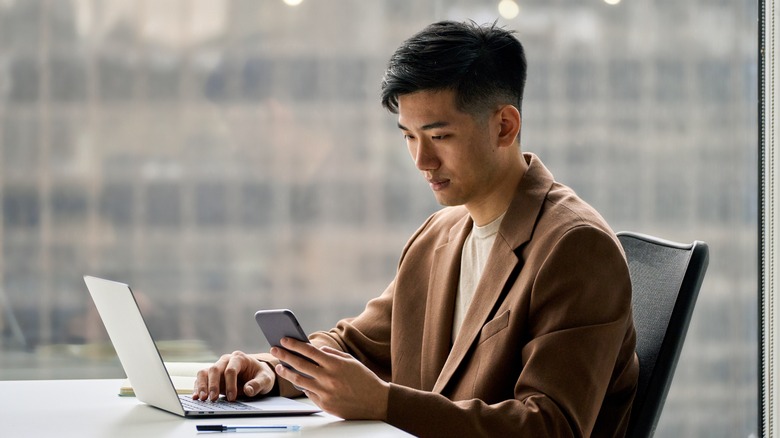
point(425, 158)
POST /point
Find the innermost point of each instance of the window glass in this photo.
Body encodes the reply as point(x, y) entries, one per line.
point(25, 78)
point(68, 77)
point(228, 156)
point(20, 136)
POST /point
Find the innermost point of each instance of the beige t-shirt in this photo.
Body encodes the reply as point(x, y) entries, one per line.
point(472, 263)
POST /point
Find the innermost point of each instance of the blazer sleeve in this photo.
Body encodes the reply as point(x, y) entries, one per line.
point(366, 337)
point(578, 324)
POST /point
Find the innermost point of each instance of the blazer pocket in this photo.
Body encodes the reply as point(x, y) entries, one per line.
point(494, 326)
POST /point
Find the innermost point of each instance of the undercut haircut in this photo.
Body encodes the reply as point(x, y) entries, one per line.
point(484, 65)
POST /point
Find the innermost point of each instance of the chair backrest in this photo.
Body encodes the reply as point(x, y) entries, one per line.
point(666, 278)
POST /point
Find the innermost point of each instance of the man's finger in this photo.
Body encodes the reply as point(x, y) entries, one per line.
point(200, 391)
point(233, 367)
point(305, 349)
point(335, 352)
point(215, 378)
point(262, 383)
point(300, 382)
point(301, 364)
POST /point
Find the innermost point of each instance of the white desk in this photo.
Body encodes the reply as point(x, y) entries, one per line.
point(92, 408)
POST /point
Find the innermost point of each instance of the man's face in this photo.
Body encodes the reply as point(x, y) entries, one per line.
point(455, 151)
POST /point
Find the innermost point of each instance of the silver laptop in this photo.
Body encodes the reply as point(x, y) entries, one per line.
point(145, 368)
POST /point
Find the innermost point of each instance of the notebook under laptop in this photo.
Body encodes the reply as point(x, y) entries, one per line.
point(145, 368)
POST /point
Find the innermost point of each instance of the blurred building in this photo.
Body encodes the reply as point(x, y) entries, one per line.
point(226, 156)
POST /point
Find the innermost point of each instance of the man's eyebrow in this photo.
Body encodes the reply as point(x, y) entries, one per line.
point(433, 125)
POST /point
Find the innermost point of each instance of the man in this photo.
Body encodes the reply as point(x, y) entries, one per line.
point(510, 313)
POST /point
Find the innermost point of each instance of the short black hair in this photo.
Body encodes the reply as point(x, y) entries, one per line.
point(484, 65)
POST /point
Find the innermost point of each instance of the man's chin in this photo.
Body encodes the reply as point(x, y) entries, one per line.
point(447, 202)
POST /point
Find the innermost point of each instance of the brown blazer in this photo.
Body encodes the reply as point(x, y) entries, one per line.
point(547, 346)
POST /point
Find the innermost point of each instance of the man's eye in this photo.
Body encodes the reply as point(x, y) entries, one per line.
point(438, 137)
point(408, 137)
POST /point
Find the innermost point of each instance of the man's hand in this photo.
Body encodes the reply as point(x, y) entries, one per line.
point(231, 370)
point(339, 384)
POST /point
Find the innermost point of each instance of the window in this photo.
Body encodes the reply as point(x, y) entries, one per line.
point(234, 155)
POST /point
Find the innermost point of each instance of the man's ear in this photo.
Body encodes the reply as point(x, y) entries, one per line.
point(510, 124)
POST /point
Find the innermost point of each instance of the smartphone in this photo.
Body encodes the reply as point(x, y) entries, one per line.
point(280, 323)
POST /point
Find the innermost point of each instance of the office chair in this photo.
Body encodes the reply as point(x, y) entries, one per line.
point(666, 278)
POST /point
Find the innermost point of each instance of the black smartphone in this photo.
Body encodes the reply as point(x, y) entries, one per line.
point(280, 323)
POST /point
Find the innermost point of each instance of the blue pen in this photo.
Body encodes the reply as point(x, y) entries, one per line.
point(248, 428)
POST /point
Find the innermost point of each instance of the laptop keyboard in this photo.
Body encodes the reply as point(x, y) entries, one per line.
point(208, 406)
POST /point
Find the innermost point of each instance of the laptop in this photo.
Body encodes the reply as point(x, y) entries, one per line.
point(145, 368)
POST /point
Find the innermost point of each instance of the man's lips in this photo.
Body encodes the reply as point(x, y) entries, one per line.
point(438, 184)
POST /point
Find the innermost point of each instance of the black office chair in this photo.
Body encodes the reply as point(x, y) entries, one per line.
point(666, 278)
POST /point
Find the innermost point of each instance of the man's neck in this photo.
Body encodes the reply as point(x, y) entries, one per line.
point(497, 202)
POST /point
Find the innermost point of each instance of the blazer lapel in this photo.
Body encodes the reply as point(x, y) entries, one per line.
point(501, 262)
point(437, 336)
point(516, 229)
